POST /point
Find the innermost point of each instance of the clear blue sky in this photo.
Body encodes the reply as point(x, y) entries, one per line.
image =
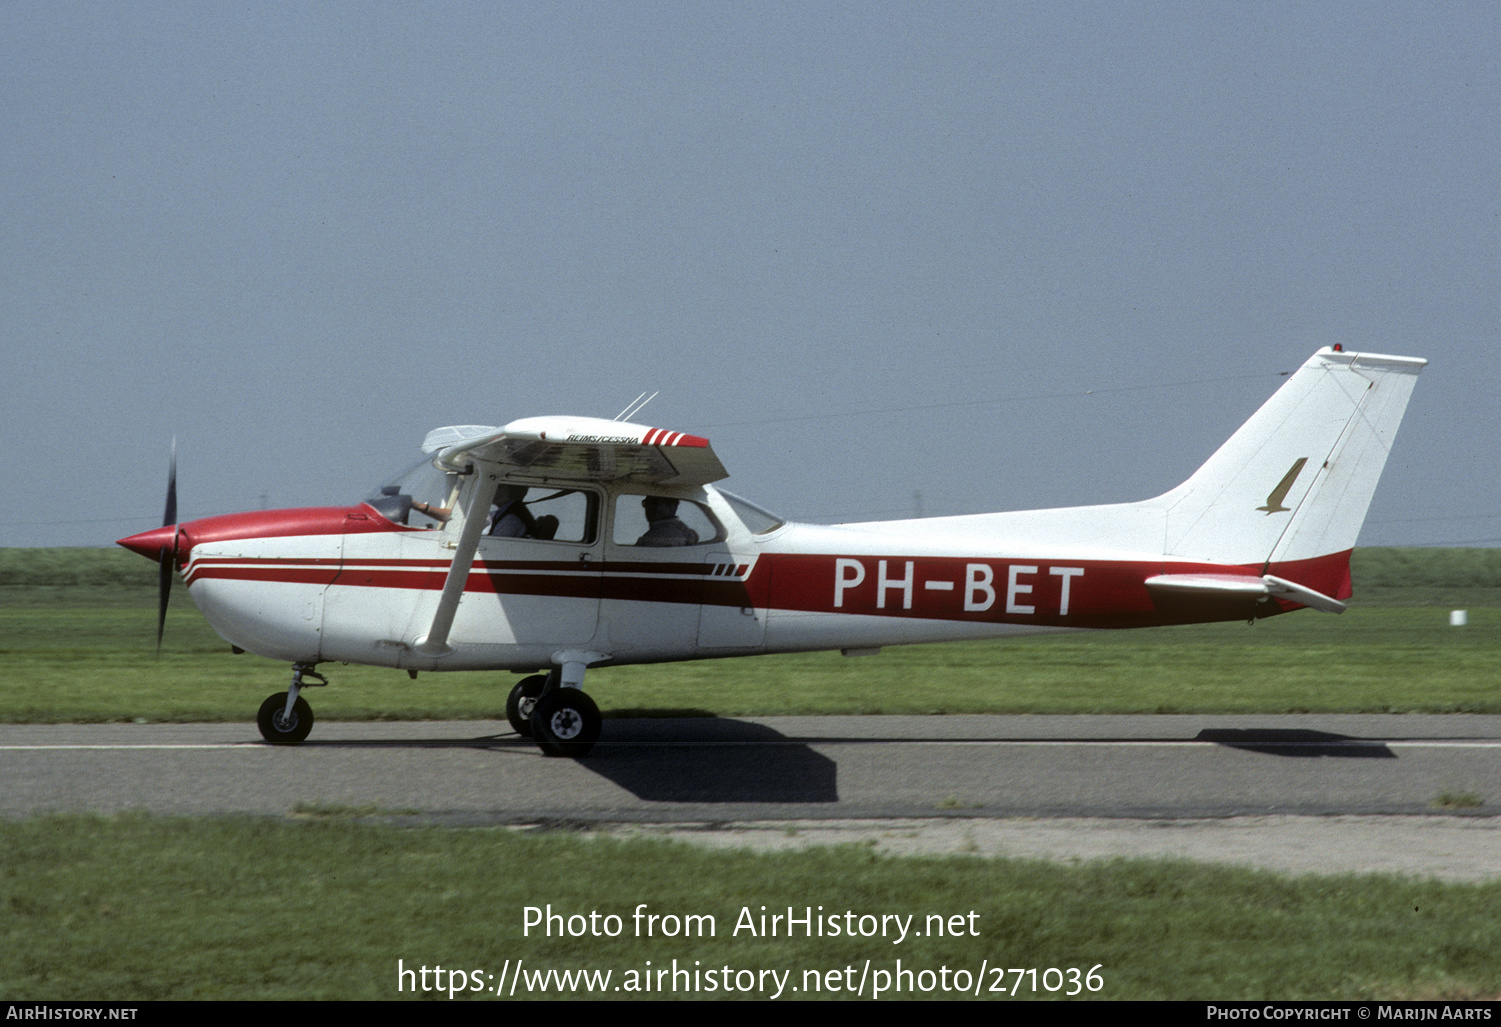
point(1001, 255)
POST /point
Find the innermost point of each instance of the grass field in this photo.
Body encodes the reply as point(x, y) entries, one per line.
point(138, 908)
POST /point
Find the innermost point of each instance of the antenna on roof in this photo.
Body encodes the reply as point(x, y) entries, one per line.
point(635, 406)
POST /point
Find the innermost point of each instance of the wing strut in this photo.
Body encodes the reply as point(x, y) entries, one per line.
point(476, 505)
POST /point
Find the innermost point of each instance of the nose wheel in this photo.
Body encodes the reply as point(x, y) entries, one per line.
point(280, 729)
point(286, 718)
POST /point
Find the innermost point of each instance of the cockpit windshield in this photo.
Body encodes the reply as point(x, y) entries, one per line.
point(421, 485)
point(757, 520)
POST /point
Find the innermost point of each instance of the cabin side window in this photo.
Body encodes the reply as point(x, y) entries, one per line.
point(662, 522)
point(545, 514)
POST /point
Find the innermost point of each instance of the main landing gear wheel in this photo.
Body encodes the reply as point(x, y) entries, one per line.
point(279, 729)
point(520, 702)
point(565, 722)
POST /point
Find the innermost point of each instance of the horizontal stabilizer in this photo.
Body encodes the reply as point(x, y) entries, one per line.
point(1244, 585)
point(1284, 589)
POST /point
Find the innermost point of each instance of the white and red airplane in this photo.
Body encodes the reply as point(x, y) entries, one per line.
point(556, 544)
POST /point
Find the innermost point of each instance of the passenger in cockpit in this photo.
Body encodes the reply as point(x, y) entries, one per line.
point(665, 527)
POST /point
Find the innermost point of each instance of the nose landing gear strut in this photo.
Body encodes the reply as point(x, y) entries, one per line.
point(286, 718)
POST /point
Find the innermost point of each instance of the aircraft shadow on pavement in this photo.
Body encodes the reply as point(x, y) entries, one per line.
point(685, 759)
point(1299, 742)
point(711, 760)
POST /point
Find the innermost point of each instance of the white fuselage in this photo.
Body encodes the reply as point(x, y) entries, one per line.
point(369, 595)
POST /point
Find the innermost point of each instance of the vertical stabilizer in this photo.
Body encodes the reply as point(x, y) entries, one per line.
point(1293, 484)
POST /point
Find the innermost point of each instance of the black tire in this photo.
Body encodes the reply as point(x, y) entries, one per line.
point(565, 722)
point(283, 732)
point(520, 702)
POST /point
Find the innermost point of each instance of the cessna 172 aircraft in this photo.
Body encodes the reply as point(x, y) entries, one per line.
point(556, 544)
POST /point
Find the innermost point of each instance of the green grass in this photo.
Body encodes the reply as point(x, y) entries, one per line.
point(86, 661)
point(85, 652)
point(136, 908)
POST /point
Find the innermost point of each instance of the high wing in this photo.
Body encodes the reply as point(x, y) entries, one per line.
point(579, 449)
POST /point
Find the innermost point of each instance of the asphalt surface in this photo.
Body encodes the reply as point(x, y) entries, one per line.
point(1411, 794)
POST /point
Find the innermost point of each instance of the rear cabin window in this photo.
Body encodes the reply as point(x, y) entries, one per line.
point(660, 522)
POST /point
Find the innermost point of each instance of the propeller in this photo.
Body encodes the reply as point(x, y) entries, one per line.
point(168, 558)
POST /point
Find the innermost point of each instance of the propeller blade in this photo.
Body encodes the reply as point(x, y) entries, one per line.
point(168, 558)
point(163, 592)
point(170, 517)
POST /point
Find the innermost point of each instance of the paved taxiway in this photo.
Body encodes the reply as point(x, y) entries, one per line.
point(1326, 792)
